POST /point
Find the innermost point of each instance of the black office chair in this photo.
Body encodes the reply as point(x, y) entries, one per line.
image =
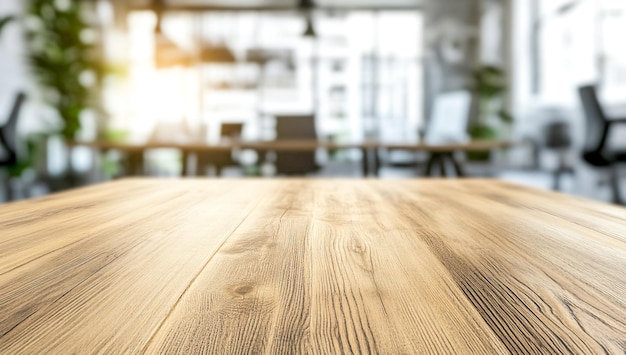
point(598, 127)
point(8, 134)
point(557, 138)
point(8, 140)
point(295, 127)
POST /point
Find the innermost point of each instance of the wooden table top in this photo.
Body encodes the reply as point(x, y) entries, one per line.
point(300, 145)
point(312, 266)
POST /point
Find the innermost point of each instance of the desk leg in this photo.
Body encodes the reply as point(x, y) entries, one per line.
point(458, 168)
point(261, 160)
point(185, 168)
point(376, 162)
point(135, 164)
point(441, 158)
point(433, 158)
point(365, 162)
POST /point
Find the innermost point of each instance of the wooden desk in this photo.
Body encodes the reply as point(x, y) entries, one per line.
point(439, 154)
point(369, 149)
point(318, 266)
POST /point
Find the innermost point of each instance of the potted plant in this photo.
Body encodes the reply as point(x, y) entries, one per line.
point(22, 174)
point(61, 59)
point(489, 88)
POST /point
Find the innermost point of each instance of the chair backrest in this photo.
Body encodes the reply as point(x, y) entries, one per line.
point(557, 135)
point(449, 119)
point(597, 126)
point(295, 127)
point(231, 130)
point(8, 132)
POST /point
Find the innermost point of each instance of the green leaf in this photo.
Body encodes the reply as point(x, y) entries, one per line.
point(483, 131)
point(5, 21)
point(19, 168)
point(64, 56)
point(506, 117)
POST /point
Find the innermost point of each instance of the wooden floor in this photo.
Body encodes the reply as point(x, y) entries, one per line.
point(312, 266)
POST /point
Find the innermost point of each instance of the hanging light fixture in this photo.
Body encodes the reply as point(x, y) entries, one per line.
point(307, 6)
point(217, 54)
point(310, 29)
point(167, 54)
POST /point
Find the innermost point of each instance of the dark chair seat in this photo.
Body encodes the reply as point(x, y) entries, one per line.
point(8, 134)
point(296, 127)
point(8, 140)
point(8, 158)
point(597, 159)
point(617, 156)
point(604, 159)
point(596, 152)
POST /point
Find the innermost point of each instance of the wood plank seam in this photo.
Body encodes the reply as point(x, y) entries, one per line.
point(68, 291)
point(198, 273)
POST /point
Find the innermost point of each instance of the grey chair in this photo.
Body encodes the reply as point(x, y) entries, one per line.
point(598, 127)
point(557, 138)
point(8, 134)
point(8, 139)
point(296, 127)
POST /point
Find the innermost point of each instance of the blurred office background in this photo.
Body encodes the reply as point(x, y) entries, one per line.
point(97, 90)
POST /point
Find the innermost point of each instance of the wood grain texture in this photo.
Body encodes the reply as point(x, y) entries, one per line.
point(106, 286)
point(372, 288)
point(253, 297)
point(312, 266)
point(542, 277)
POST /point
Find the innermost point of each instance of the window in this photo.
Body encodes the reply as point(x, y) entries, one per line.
point(361, 74)
point(567, 48)
point(581, 41)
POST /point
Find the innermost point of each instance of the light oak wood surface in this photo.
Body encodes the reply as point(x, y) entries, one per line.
point(312, 267)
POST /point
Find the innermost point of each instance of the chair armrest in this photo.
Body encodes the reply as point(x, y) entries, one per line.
point(618, 121)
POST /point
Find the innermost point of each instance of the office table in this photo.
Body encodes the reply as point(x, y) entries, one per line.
point(317, 266)
point(439, 153)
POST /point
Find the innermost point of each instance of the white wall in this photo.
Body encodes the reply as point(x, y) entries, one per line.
point(13, 71)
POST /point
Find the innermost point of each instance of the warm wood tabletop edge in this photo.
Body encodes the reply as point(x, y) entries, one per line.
point(151, 258)
point(316, 267)
point(566, 198)
point(529, 267)
point(69, 193)
point(479, 182)
point(295, 265)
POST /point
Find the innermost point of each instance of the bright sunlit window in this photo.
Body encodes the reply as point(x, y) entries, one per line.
point(361, 74)
point(581, 42)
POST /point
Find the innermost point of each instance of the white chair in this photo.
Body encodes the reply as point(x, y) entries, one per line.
point(448, 125)
point(449, 118)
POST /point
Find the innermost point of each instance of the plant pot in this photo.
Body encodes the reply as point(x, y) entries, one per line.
point(479, 156)
point(481, 132)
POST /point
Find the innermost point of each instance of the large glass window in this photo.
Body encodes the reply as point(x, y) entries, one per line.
point(567, 48)
point(360, 73)
point(581, 42)
point(612, 54)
